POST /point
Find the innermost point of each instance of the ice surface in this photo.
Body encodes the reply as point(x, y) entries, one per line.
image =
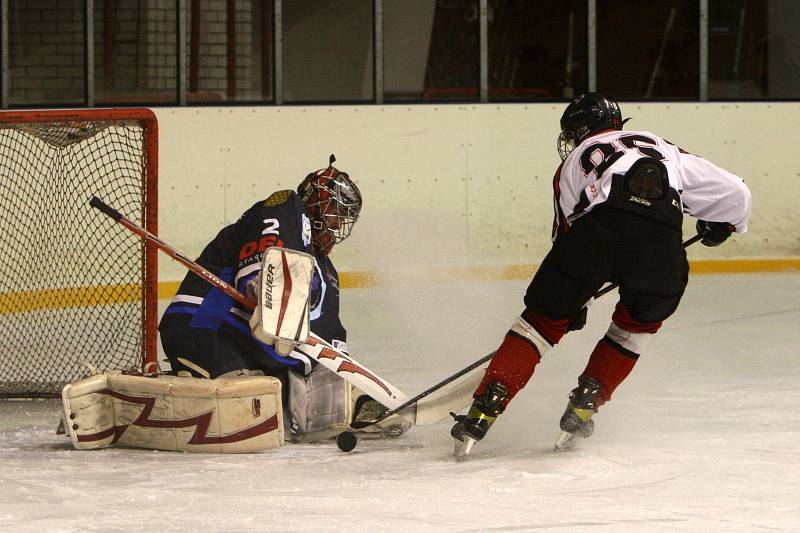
point(702, 437)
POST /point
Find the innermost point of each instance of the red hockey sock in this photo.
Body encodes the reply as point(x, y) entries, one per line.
point(550, 329)
point(512, 365)
point(623, 319)
point(609, 365)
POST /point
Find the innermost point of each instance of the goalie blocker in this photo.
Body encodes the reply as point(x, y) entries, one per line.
point(281, 315)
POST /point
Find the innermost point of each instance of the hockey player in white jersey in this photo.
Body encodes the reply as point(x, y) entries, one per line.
point(619, 199)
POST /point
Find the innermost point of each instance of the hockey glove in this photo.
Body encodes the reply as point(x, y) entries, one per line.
point(714, 233)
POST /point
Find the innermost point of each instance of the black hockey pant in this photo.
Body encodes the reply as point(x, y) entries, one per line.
point(645, 257)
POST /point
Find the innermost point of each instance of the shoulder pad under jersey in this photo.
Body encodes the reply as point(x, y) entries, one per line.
point(278, 198)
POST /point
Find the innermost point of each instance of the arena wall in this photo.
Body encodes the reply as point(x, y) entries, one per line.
point(456, 190)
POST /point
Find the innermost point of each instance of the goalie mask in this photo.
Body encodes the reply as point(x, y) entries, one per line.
point(585, 115)
point(333, 202)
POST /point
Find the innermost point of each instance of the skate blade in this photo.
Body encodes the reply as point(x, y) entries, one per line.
point(565, 442)
point(462, 448)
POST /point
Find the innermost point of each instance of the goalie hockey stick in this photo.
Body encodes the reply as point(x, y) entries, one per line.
point(415, 400)
point(408, 404)
point(315, 347)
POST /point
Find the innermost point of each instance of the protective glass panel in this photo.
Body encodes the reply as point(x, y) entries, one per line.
point(453, 71)
point(537, 50)
point(327, 51)
point(753, 49)
point(431, 50)
point(648, 49)
point(407, 26)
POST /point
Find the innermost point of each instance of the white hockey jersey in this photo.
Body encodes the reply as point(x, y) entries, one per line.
point(707, 191)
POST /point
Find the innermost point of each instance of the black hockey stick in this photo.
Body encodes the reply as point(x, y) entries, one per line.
point(411, 401)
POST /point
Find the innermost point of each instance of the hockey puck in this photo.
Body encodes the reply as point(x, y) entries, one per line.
point(346, 441)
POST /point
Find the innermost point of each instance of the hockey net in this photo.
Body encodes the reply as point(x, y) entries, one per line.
point(74, 286)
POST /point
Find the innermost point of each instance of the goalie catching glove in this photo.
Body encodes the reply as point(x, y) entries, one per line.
point(281, 315)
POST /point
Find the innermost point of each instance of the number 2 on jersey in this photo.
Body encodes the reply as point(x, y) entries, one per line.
point(272, 226)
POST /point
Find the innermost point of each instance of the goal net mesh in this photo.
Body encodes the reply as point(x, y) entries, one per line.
point(71, 280)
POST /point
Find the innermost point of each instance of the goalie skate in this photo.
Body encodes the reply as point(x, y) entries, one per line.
point(367, 410)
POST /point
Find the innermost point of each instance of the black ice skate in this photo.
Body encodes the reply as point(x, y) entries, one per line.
point(472, 427)
point(577, 418)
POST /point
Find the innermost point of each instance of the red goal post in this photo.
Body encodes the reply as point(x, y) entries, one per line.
point(74, 287)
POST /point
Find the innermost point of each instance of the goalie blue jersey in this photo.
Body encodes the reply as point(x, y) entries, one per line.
point(235, 256)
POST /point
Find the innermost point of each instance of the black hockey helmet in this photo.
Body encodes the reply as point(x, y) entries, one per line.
point(588, 113)
point(333, 202)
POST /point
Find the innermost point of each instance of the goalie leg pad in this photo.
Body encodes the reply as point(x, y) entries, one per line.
point(225, 415)
point(319, 405)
